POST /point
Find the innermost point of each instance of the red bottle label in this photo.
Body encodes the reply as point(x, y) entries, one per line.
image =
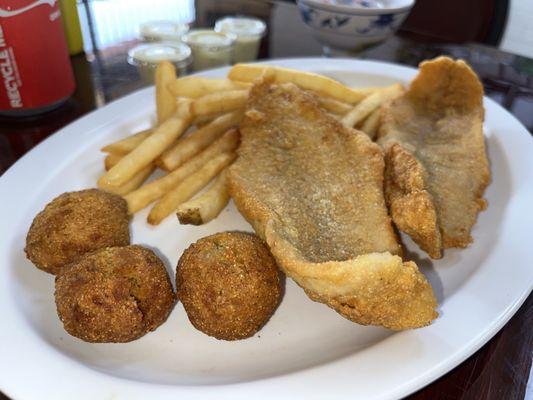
point(35, 67)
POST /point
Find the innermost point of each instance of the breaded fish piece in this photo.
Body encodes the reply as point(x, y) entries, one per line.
point(436, 164)
point(313, 190)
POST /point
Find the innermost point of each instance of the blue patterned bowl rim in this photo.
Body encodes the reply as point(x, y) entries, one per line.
point(321, 5)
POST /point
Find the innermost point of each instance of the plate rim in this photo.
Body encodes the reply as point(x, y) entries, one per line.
point(130, 388)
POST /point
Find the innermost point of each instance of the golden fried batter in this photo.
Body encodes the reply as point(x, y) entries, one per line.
point(228, 284)
point(75, 223)
point(437, 168)
point(313, 190)
point(117, 294)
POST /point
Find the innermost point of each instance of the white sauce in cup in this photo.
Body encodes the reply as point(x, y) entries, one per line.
point(248, 33)
point(147, 56)
point(160, 31)
point(209, 48)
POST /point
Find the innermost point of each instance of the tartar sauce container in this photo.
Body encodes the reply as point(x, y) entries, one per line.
point(209, 48)
point(147, 56)
point(163, 31)
point(248, 32)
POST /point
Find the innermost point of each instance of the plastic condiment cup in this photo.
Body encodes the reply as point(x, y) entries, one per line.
point(147, 56)
point(248, 32)
point(209, 48)
point(162, 31)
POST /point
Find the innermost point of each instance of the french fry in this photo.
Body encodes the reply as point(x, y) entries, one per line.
point(189, 187)
point(205, 119)
point(165, 100)
point(367, 91)
point(124, 146)
point(219, 102)
point(134, 182)
point(183, 107)
point(198, 140)
point(111, 160)
point(306, 80)
point(202, 120)
point(145, 153)
point(369, 104)
point(334, 106)
point(195, 87)
point(371, 123)
point(208, 205)
point(154, 190)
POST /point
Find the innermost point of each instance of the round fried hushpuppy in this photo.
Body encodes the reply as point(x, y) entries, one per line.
point(115, 295)
point(229, 285)
point(76, 223)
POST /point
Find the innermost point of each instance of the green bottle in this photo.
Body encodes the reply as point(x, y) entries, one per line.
point(71, 24)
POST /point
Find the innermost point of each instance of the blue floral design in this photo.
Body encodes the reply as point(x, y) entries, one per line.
point(383, 22)
point(308, 14)
point(362, 3)
point(334, 22)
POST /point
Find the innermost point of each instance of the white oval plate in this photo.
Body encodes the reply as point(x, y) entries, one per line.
point(306, 349)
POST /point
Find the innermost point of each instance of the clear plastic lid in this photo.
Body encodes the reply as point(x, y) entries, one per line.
point(163, 30)
point(153, 53)
point(241, 26)
point(208, 39)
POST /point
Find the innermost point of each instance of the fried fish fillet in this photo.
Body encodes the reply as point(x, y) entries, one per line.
point(313, 190)
point(436, 165)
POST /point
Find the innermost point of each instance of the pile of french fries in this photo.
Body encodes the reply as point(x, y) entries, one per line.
point(196, 137)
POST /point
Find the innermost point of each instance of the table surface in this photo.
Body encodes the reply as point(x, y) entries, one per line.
point(501, 368)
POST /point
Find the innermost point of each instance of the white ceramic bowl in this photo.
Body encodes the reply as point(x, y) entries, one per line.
point(353, 24)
